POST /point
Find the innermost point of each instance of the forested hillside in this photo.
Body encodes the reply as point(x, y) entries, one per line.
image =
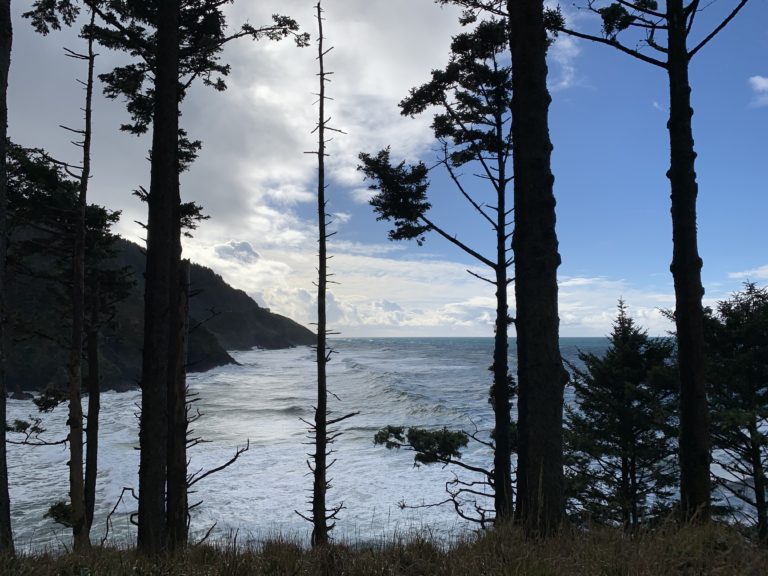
point(221, 318)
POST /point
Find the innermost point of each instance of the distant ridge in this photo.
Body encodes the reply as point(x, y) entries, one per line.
point(221, 318)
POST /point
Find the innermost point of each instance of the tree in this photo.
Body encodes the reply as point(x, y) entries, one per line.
point(175, 43)
point(620, 429)
point(105, 287)
point(540, 372)
point(541, 376)
point(44, 210)
point(321, 514)
point(6, 39)
point(473, 130)
point(79, 521)
point(737, 352)
point(444, 447)
point(675, 22)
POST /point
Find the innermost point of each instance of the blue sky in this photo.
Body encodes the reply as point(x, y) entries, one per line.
point(608, 126)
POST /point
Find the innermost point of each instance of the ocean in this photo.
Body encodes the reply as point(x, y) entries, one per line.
point(428, 382)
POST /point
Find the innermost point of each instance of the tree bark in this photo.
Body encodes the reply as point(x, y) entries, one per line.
point(6, 41)
point(94, 407)
point(502, 458)
point(756, 440)
point(80, 524)
point(178, 511)
point(320, 480)
point(160, 274)
point(541, 376)
point(686, 271)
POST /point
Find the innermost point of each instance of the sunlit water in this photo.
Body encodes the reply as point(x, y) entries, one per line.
point(425, 382)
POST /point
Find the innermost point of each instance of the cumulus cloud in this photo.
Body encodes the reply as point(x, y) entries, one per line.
point(242, 251)
point(759, 85)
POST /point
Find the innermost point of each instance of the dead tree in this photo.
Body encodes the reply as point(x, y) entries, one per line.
point(322, 516)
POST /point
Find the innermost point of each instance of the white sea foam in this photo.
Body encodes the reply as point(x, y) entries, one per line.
point(425, 382)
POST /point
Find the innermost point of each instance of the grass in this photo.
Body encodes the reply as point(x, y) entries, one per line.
point(696, 551)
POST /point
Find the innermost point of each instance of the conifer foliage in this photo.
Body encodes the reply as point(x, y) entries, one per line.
point(473, 130)
point(669, 34)
point(621, 430)
point(737, 352)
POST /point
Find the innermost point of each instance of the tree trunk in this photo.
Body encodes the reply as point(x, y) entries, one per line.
point(320, 482)
point(502, 459)
point(686, 271)
point(177, 426)
point(541, 376)
point(624, 494)
point(756, 441)
point(94, 407)
point(6, 40)
point(160, 274)
point(80, 524)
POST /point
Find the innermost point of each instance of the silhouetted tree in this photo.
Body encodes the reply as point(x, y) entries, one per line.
point(473, 129)
point(444, 447)
point(78, 517)
point(675, 23)
point(45, 218)
point(175, 43)
point(321, 516)
point(621, 429)
point(540, 373)
point(6, 39)
point(105, 286)
point(737, 352)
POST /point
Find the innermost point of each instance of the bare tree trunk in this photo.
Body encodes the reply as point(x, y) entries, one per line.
point(177, 503)
point(320, 483)
point(686, 271)
point(80, 524)
point(94, 407)
point(502, 458)
point(160, 274)
point(541, 376)
point(6, 40)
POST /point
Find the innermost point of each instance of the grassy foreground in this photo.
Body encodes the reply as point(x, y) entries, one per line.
point(709, 550)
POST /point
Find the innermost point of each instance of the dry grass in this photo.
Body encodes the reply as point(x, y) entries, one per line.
point(709, 550)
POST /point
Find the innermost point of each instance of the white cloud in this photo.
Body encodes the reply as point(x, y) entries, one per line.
point(341, 217)
point(759, 85)
point(362, 195)
point(241, 251)
point(759, 273)
point(564, 53)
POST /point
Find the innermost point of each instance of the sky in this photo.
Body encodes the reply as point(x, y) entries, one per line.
point(608, 127)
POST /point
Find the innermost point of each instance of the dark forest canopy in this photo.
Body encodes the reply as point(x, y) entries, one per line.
point(42, 198)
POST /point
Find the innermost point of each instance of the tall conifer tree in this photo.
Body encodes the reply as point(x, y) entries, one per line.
point(6, 40)
point(473, 129)
point(541, 376)
point(675, 24)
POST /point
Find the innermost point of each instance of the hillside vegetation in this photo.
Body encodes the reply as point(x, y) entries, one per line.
point(221, 318)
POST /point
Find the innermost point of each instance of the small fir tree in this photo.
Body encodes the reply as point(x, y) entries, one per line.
point(737, 351)
point(620, 429)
